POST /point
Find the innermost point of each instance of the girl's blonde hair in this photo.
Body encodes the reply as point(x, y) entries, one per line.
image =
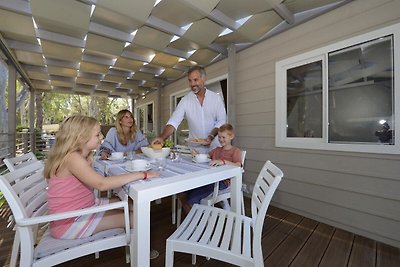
point(132, 132)
point(73, 133)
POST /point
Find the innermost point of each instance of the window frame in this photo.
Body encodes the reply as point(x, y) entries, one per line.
point(281, 67)
point(144, 106)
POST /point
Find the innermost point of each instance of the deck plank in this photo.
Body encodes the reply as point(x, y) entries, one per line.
point(273, 239)
point(315, 247)
point(288, 239)
point(363, 252)
point(387, 256)
point(286, 252)
point(338, 251)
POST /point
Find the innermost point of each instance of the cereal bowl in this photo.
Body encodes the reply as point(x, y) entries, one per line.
point(156, 153)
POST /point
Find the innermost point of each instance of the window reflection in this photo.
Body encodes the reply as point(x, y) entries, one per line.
point(361, 93)
point(304, 101)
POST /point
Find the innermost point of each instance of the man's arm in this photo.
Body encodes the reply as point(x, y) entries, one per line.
point(212, 135)
point(168, 130)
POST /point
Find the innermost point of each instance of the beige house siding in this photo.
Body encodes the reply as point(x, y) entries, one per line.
point(359, 192)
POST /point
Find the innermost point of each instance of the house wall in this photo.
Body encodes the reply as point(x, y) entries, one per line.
point(358, 192)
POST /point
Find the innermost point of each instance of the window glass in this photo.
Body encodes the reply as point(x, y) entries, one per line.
point(342, 96)
point(304, 101)
point(361, 93)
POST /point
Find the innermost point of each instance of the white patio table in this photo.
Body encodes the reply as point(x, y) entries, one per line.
point(177, 177)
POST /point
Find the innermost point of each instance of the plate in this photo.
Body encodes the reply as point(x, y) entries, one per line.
point(197, 141)
point(129, 169)
point(111, 158)
point(203, 161)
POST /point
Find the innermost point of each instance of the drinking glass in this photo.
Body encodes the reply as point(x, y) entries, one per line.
point(161, 163)
point(175, 155)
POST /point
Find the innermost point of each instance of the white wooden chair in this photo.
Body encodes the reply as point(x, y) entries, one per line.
point(20, 161)
point(224, 194)
point(225, 235)
point(215, 197)
point(27, 199)
point(13, 164)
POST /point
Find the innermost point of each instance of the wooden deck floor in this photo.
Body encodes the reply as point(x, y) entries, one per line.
point(288, 240)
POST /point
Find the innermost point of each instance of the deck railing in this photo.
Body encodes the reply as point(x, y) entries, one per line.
point(24, 142)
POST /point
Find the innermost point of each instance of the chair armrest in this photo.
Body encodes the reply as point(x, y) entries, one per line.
point(70, 214)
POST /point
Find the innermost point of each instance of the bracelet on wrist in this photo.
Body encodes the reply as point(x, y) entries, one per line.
point(211, 136)
point(145, 175)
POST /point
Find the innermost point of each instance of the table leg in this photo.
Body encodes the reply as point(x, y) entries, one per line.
point(140, 256)
point(236, 191)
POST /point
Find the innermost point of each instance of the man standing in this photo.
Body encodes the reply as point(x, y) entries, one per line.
point(203, 109)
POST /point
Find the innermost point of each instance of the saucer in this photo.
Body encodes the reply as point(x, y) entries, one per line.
point(111, 158)
point(129, 169)
point(202, 161)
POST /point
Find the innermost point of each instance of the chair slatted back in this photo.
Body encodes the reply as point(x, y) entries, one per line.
point(267, 182)
point(25, 191)
point(20, 161)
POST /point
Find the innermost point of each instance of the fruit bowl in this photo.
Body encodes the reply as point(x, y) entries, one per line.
point(156, 153)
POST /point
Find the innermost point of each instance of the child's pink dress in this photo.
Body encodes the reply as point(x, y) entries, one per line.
point(67, 194)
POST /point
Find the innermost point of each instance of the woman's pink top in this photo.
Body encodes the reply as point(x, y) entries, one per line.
point(67, 194)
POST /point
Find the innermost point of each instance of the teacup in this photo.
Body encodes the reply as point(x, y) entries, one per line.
point(117, 155)
point(201, 157)
point(140, 165)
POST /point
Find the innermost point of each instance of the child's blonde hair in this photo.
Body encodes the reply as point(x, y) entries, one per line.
point(73, 133)
point(226, 128)
point(132, 132)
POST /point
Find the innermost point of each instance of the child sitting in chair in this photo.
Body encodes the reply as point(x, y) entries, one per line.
point(227, 154)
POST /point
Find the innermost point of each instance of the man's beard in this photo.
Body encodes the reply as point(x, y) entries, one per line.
point(196, 90)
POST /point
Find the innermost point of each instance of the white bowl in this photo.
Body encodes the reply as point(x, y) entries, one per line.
point(156, 153)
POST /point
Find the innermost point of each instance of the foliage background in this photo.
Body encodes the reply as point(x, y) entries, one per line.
point(56, 107)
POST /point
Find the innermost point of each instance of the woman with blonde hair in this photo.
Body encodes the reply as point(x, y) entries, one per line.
point(124, 137)
point(71, 180)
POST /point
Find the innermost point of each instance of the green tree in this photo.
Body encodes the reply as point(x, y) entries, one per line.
point(56, 107)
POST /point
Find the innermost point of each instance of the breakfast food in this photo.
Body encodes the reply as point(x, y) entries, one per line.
point(198, 140)
point(156, 146)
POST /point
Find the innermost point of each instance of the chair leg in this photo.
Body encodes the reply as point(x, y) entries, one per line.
point(169, 256)
point(173, 205)
point(193, 259)
point(127, 254)
point(15, 250)
point(179, 214)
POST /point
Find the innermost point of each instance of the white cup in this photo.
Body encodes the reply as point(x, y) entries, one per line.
point(117, 155)
point(140, 164)
point(201, 157)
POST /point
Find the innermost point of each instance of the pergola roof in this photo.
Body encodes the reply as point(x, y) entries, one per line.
point(132, 47)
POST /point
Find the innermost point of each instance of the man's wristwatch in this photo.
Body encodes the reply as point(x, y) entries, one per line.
point(211, 136)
